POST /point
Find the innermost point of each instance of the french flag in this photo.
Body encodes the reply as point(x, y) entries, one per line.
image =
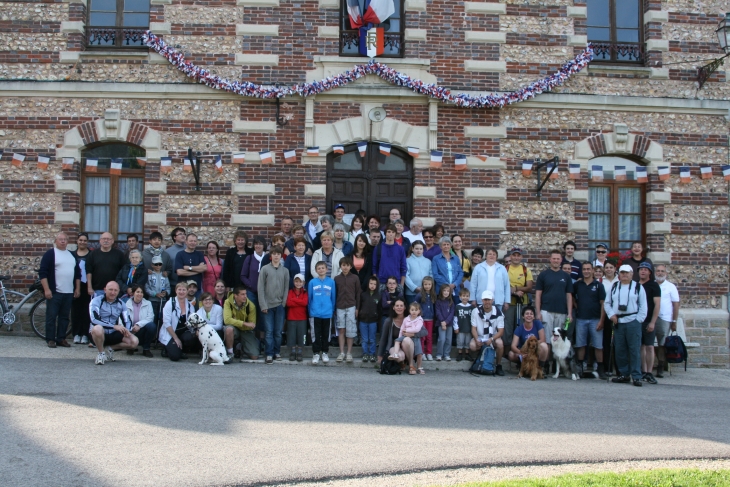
point(664, 173)
point(437, 158)
point(142, 161)
point(338, 149)
point(555, 174)
point(67, 163)
point(116, 167)
point(313, 151)
point(376, 11)
point(526, 168)
point(619, 173)
point(218, 164)
point(239, 158)
point(684, 174)
point(290, 155)
point(385, 149)
point(372, 42)
point(597, 173)
point(726, 172)
point(414, 151)
point(363, 148)
point(706, 172)
point(460, 162)
point(641, 174)
point(43, 162)
point(574, 171)
point(187, 166)
point(18, 160)
point(353, 10)
point(165, 165)
point(92, 165)
point(266, 157)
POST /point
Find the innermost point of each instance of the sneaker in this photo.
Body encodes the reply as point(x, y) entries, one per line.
point(638, 383)
point(365, 358)
point(649, 377)
point(315, 359)
point(110, 354)
point(277, 357)
point(622, 379)
point(373, 359)
point(429, 357)
point(292, 356)
point(459, 357)
point(299, 357)
point(100, 359)
point(84, 340)
point(77, 339)
point(147, 353)
point(447, 358)
point(237, 351)
point(325, 358)
point(438, 358)
point(269, 359)
point(499, 371)
point(341, 357)
point(348, 358)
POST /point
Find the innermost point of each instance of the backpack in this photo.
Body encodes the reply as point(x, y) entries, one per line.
point(675, 350)
point(484, 364)
point(389, 367)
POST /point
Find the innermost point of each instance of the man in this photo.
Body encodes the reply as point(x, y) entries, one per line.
point(601, 254)
point(374, 236)
point(415, 232)
point(648, 335)
point(668, 314)
point(590, 296)
point(491, 276)
point(569, 251)
point(625, 306)
point(520, 284)
point(239, 318)
point(554, 295)
point(431, 250)
point(389, 259)
point(178, 244)
point(103, 265)
point(155, 249)
point(312, 226)
point(487, 328)
point(273, 288)
point(110, 324)
point(286, 225)
point(637, 249)
point(61, 281)
point(339, 215)
point(190, 263)
point(132, 244)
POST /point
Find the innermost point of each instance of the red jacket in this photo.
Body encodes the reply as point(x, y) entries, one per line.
point(296, 305)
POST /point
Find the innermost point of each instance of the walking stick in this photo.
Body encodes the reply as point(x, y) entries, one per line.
point(610, 355)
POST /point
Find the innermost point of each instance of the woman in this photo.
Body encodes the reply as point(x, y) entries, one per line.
point(373, 222)
point(410, 348)
point(231, 272)
point(214, 267)
point(297, 231)
point(250, 277)
point(438, 232)
point(328, 254)
point(399, 238)
point(327, 222)
point(221, 293)
point(174, 334)
point(132, 273)
point(362, 260)
point(356, 228)
point(446, 269)
point(299, 262)
point(143, 320)
point(418, 268)
point(211, 313)
point(340, 242)
point(80, 308)
point(457, 249)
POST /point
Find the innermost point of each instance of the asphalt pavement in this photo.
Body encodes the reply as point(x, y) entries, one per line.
point(140, 421)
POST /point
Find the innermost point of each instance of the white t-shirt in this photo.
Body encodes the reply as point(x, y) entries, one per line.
point(65, 265)
point(491, 272)
point(413, 237)
point(669, 295)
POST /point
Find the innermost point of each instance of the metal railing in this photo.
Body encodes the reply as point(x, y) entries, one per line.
point(115, 37)
point(615, 52)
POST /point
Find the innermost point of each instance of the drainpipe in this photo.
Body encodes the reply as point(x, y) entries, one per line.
point(727, 298)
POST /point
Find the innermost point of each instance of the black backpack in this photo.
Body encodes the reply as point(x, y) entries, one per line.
point(675, 350)
point(389, 367)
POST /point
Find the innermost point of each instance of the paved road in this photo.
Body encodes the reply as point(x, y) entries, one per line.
point(152, 422)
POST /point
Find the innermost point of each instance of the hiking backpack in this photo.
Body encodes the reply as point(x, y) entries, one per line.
point(675, 350)
point(389, 367)
point(484, 364)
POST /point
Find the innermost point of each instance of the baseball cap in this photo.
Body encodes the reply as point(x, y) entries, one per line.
point(300, 277)
point(157, 259)
point(601, 244)
point(339, 205)
point(487, 295)
point(646, 265)
point(515, 250)
point(626, 268)
point(192, 282)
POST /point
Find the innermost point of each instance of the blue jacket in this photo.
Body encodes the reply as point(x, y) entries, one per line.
point(48, 270)
point(418, 268)
point(291, 264)
point(347, 248)
point(480, 279)
point(389, 260)
point(441, 272)
point(322, 297)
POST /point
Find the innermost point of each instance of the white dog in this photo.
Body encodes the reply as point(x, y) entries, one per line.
point(563, 354)
point(212, 344)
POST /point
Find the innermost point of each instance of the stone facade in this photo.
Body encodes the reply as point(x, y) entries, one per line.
point(58, 98)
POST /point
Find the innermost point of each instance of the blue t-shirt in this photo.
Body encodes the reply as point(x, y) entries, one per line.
point(185, 259)
point(524, 334)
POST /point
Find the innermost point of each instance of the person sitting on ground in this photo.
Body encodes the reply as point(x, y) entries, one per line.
point(110, 324)
point(411, 324)
point(529, 327)
point(142, 319)
point(487, 328)
point(174, 334)
point(239, 318)
point(211, 313)
point(410, 347)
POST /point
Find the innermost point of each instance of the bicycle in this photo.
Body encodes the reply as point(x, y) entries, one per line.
point(37, 312)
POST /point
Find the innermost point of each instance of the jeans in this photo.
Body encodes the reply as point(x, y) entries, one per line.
point(627, 343)
point(58, 310)
point(443, 346)
point(274, 319)
point(146, 334)
point(367, 330)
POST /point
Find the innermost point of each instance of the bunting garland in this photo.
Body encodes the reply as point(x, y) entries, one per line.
point(463, 100)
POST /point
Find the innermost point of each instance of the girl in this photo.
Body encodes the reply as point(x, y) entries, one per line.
point(411, 324)
point(362, 264)
point(368, 313)
point(418, 268)
point(296, 316)
point(389, 295)
point(214, 267)
point(221, 293)
point(427, 299)
point(356, 228)
point(445, 318)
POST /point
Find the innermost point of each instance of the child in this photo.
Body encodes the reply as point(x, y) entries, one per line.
point(157, 287)
point(348, 295)
point(477, 255)
point(296, 315)
point(427, 298)
point(321, 306)
point(445, 319)
point(463, 325)
point(368, 312)
point(389, 295)
point(411, 324)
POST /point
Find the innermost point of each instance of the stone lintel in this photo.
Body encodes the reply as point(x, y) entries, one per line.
point(329, 31)
point(424, 192)
point(314, 160)
point(257, 30)
point(155, 218)
point(318, 190)
point(660, 257)
point(577, 225)
point(416, 34)
point(578, 12)
point(160, 28)
point(160, 2)
point(485, 66)
point(415, 5)
point(253, 189)
point(155, 187)
point(329, 4)
point(254, 127)
point(659, 73)
point(252, 220)
point(485, 8)
point(483, 37)
point(704, 314)
point(257, 3)
point(657, 228)
point(257, 59)
point(427, 221)
point(71, 56)
point(578, 195)
point(485, 132)
point(485, 193)
point(577, 40)
point(658, 198)
point(495, 224)
point(490, 163)
point(72, 27)
point(71, 217)
point(657, 45)
point(656, 16)
point(66, 186)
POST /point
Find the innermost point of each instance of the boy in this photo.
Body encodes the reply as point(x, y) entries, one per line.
point(348, 296)
point(321, 306)
point(575, 266)
point(462, 325)
point(368, 314)
point(157, 287)
point(192, 291)
point(477, 255)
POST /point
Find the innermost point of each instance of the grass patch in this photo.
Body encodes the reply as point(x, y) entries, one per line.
point(636, 478)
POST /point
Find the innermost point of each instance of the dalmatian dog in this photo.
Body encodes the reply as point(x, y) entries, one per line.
point(213, 347)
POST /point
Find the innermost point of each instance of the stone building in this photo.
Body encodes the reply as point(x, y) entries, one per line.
point(76, 82)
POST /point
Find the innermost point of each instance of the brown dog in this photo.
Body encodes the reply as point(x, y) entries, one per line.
point(530, 361)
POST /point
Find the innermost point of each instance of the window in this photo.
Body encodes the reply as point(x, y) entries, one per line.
point(117, 23)
point(614, 29)
point(393, 44)
point(616, 208)
point(111, 202)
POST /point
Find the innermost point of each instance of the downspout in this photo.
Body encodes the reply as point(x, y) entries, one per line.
point(727, 296)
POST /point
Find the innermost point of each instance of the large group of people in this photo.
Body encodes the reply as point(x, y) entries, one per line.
point(328, 282)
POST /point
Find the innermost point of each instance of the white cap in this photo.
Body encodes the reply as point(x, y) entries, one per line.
point(487, 295)
point(626, 268)
point(299, 276)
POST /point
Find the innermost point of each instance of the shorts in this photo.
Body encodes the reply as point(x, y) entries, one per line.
point(462, 340)
point(113, 338)
point(585, 328)
point(248, 341)
point(550, 321)
point(661, 330)
point(647, 338)
point(346, 320)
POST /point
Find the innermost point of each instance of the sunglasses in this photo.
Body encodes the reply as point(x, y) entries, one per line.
point(156, 264)
point(600, 251)
point(428, 236)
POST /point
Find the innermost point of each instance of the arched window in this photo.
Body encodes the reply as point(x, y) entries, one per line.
point(112, 202)
point(616, 208)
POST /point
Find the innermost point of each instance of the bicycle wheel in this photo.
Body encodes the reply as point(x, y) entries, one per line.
point(38, 318)
point(10, 316)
